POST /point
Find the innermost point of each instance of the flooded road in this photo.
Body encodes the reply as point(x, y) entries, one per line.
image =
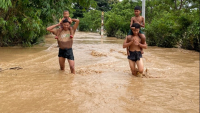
point(31, 82)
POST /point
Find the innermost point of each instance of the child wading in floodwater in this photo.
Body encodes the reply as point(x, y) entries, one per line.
point(134, 44)
point(140, 20)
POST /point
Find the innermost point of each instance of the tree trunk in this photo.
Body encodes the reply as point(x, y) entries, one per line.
point(175, 4)
point(181, 5)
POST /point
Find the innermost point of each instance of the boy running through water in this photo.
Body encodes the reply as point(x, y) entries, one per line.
point(65, 16)
point(133, 42)
point(140, 20)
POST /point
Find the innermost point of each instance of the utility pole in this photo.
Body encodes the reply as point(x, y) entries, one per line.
point(102, 18)
point(143, 9)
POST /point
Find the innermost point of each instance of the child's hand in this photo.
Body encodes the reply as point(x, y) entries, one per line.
point(138, 23)
point(133, 28)
point(70, 20)
point(131, 41)
point(136, 42)
point(61, 20)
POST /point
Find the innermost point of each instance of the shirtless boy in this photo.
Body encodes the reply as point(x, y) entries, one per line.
point(134, 44)
point(140, 20)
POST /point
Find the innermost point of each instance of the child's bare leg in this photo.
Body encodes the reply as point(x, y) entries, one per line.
point(127, 50)
point(141, 49)
point(143, 40)
point(140, 67)
point(132, 66)
point(71, 32)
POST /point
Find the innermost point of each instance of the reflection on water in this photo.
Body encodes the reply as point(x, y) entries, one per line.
point(103, 81)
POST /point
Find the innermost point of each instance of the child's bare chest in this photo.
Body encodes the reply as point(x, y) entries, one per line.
point(137, 19)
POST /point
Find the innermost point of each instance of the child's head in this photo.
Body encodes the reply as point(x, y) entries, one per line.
point(66, 14)
point(137, 10)
point(137, 28)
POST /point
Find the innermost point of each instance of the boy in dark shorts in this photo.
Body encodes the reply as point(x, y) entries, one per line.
point(140, 20)
point(65, 42)
point(134, 45)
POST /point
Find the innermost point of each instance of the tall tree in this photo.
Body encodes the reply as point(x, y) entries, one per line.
point(79, 10)
point(24, 21)
point(105, 5)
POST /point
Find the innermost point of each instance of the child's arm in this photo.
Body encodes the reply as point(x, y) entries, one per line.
point(61, 20)
point(140, 45)
point(131, 22)
point(126, 43)
point(143, 45)
point(142, 24)
point(132, 28)
point(70, 20)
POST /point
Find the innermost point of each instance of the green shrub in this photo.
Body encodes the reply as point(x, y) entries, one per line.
point(91, 21)
point(191, 37)
point(163, 31)
point(113, 23)
point(120, 34)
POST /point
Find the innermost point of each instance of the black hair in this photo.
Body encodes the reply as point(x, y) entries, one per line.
point(136, 25)
point(65, 21)
point(137, 8)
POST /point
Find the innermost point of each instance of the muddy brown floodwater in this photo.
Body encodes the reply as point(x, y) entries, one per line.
point(31, 82)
